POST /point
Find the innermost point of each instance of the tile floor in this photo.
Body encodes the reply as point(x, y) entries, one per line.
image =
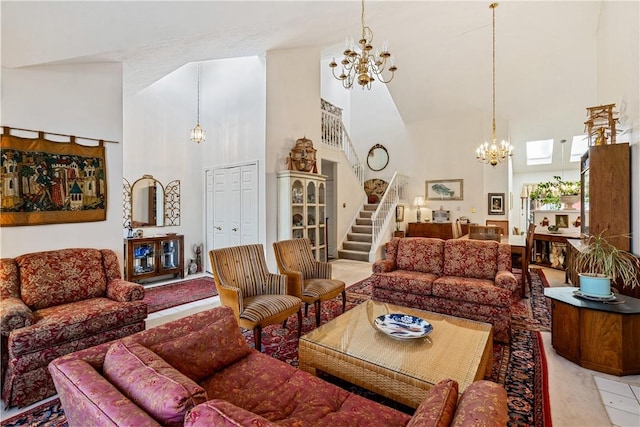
point(579, 397)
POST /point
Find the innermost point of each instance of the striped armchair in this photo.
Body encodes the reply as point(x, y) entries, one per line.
point(258, 298)
point(307, 278)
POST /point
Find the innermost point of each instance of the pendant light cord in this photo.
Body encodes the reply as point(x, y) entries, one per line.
point(493, 7)
point(198, 106)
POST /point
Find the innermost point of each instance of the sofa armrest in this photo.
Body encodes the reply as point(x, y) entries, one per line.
point(123, 291)
point(383, 266)
point(87, 395)
point(14, 314)
point(506, 280)
point(221, 413)
point(483, 403)
point(438, 406)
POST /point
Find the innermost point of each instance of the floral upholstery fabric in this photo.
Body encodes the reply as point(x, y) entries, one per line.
point(57, 302)
point(437, 409)
point(221, 413)
point(422, 255)
point(474, 280)
point(255, 390)
point(150, 382)
point(477, 259)
point(58, 277)
point(206, 350)
point(483, 403)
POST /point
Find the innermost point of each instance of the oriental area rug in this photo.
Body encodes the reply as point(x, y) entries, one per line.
point(183, 292)
point(520, 367)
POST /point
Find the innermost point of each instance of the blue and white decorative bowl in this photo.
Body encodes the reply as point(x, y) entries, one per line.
point(402, 326)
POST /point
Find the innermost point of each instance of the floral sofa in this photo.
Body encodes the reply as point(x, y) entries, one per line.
point(460, 277)
point(200, 371)
point(56, 302)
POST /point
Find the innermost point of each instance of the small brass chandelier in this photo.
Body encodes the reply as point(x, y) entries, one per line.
point(493, 154)
point(364, 65)
point(197, 133)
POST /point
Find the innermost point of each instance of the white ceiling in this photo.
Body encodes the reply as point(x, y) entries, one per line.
point(545, 51)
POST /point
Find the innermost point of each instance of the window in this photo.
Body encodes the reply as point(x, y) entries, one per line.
point(539, 152)
point(579, 145)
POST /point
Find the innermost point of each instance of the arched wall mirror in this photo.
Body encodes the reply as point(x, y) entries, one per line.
point(378, 158)
point(146, 203)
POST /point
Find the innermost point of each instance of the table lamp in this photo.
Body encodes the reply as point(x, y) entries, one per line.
point(419, 203)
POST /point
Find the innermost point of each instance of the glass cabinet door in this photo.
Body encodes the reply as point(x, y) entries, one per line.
point(143, 258)
point(169, 258)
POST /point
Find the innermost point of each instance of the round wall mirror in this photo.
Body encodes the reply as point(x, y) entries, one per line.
point(378, 158)
point(147, 203)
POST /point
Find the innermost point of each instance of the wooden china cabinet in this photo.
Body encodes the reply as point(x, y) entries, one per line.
point(149, 257)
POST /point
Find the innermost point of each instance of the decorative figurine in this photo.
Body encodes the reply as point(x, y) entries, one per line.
point(303, 156)
point(193, 267)
point(197, 250)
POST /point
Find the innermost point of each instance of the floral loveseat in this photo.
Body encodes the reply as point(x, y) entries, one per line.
point(460, 277)
point(199, 371)
point(56, 302)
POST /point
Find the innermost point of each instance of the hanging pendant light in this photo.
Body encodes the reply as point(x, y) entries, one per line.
point(494, 153)
point(366, 65)
point(197, 133)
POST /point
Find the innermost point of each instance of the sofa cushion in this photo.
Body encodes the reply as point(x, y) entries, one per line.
point(422, 254)
point(411, 282)
point(438, 407)
point(476, 259)
point(480, 291)
point(151, 382)
point(277, 391)
point(54, 326)
point(206, 350)
point(220, 413)
point(57, 277)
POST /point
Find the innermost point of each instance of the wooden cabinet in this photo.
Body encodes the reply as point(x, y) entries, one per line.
point(597, 336)
point(302, 209)
point(149, 257)
point(606, 195)
point(441, 230)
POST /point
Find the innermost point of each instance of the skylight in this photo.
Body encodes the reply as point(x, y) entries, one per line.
point(579, 145)
point(539, 152)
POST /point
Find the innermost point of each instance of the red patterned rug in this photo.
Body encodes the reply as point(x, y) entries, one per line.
point(520, 367)
point(174, 294)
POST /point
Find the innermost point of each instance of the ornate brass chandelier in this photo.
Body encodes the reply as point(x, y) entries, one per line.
point(197, 133)
point(493, 154)
point(363, 66)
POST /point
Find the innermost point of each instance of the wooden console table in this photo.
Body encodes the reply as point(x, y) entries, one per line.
point(595, 335)
point(441, 230)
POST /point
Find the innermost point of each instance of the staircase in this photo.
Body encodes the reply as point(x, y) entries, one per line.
point(358, 243)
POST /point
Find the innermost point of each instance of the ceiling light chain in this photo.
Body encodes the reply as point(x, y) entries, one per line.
point(197, 133)
point(493, 154)
point(363, 66)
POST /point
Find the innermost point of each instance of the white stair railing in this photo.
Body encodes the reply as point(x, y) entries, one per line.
point(386, 210)
point(335, 135)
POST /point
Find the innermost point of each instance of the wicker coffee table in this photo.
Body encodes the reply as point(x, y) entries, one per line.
point(351, 348)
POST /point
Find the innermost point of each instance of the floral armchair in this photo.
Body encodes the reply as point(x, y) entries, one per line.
point(57, 302)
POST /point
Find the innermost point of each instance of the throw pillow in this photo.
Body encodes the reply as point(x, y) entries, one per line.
point(151, 383)
point(203, 352)
point(437, 408)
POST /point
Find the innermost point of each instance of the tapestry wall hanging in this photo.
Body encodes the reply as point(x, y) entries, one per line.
point(47, 182)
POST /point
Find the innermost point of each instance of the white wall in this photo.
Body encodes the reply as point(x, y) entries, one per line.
point(232, 112)
point(618, 71)
point(83, 100)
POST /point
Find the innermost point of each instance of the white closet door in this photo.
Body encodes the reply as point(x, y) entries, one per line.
point(231, 207)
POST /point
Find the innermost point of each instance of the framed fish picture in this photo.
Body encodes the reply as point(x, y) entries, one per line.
point(444, 189)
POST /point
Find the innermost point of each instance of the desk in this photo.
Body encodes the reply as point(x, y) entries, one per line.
point(597, 336)
point(518, 245)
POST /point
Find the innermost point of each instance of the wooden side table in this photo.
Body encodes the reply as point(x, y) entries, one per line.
point(595, 335)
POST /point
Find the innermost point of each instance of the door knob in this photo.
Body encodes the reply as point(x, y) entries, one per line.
point(218, 228)
point(234, 229)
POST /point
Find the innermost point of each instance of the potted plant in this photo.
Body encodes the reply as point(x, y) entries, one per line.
point(599, 262)
point(552, 193)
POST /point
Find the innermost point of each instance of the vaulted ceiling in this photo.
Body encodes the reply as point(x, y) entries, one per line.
point(545, 51)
